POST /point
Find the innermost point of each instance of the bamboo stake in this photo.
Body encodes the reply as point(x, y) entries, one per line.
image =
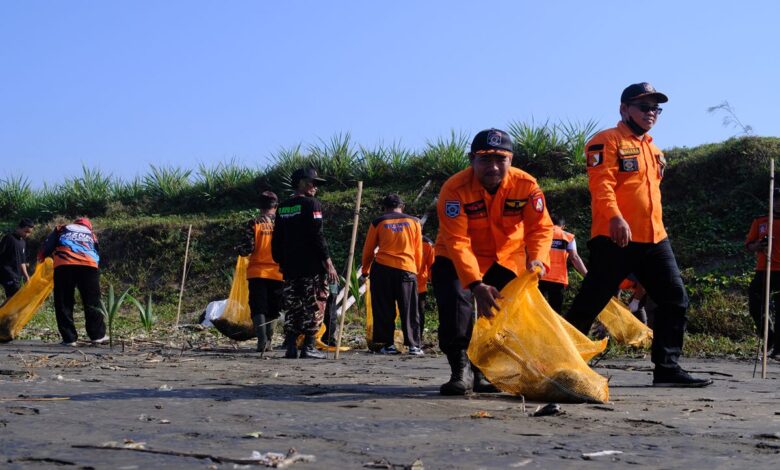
point(349, 266)
point(768, 265)
point(183, 275)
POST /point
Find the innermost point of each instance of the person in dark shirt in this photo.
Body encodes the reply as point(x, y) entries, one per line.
point(298, 245)
point(13, 264)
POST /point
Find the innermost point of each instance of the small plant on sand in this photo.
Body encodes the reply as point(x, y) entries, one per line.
point(146, 313)
point(110, 309)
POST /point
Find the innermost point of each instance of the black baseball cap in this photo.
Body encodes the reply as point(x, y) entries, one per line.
point(641, 90)
point(306, 173)
point(492, 141)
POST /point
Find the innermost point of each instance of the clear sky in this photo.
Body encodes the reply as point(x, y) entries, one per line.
point(122, 84)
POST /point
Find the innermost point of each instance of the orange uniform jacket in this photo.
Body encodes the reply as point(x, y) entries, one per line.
point(559, 256)
point(760, 229)
point(477, 229)
point(399, 238)
point(261, 263)
point(425, 270)
point(624, 175)
point(71, 245)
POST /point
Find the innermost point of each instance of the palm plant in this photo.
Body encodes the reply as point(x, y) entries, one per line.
point(445, 157)
point(15, 194)
point(336, 158)
point(148, 319)
point(576, 135)
point(166, 183)
point(110, 309)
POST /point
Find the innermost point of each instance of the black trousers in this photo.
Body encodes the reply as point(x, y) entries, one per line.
point(391, 286)
point(456, 309)
point(87, 280)
point(553, 292)
point(265, 301)
point(11, 287)
point(756, 304)
point(655, 267)
point(422, 298)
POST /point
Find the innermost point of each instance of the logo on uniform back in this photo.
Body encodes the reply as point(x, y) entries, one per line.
point(494, 138)
point(452, 208)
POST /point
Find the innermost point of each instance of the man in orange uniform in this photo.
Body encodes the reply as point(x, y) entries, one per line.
point(422, 282)
point(493, 224)
point(393, 269)
point(262, 273)
point(564, 247)
point(757, 241)
point(74, 248)
point(625, 169)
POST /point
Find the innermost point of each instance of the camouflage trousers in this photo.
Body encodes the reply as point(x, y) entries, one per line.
point(303, 304)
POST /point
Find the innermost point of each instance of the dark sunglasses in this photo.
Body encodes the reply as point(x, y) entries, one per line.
point(646, 108)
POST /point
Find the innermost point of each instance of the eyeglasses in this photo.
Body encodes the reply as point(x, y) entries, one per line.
point(647, 108)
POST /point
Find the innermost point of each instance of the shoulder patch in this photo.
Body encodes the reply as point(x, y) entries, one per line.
point(595, 159)
point(452, 208)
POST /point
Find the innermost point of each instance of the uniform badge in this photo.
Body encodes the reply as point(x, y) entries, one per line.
point(539, 204)
point(628, 151)
point(594, 159)
point(494, 138)
point(629, 164)
point(476, 209)
point(452, 208)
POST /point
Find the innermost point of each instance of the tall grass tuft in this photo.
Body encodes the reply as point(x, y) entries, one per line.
point(15, 194)
point(110, 309)
point(89, 193)
point(337, 158)
point(445, 156)
point(167, 183)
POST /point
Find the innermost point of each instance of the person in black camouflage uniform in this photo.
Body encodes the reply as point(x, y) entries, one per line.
point(298, 245)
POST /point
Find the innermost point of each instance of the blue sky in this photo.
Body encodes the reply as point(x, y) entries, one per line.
point(119, 85)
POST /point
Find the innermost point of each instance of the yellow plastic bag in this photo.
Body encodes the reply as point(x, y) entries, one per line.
point(528, 349)
point(236, 320)
point(398, 336)
point(20, 308)
point(623, 326)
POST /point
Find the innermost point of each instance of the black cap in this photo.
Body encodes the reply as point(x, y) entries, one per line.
point(391, 201)
point(305, 173)
point(641, 90)
point(491, 141)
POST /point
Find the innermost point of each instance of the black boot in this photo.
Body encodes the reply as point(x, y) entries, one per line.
point(269, 334)
point(309, 351)
point(292, 348)
point(462, 379)
point(260, 332)
point(481, 383)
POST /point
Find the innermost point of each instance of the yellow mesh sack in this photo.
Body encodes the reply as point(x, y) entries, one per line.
point(20, 308)
point(236, 320)
point(528, 349)
point(623, 326)
point(398, 336)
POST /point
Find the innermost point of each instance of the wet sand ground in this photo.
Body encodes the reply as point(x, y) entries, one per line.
point(361, 410)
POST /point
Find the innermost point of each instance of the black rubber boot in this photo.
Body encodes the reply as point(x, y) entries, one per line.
point(292, 349)
point(481, 383)
point(462, 379)
point(261, 333)
point(269, 334)
point(309, 351)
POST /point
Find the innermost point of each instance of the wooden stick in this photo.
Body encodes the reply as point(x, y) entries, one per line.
point(349, 266)
point(422, 191)
point(183, 275)
point(768, 264)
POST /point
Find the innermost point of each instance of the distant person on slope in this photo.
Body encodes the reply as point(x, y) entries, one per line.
point(625, 169)
point(74, 248)
point(758, 242)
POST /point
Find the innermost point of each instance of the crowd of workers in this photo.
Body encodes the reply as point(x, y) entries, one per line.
point(493, 225)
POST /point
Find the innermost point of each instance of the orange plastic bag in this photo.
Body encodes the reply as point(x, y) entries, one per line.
point(20, 308)
point(528, 349)
point(623, 326)
point(236, 320)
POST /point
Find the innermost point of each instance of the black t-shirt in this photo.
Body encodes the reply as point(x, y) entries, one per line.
point(12, 255)
point(298, 243)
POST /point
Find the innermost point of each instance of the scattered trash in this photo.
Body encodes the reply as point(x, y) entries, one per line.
point(521, 463)
point(551, 409)
point(384, 463)
point(59, 377)
point(481, 414)
point(165, 388)
point(601, 453)
point(253, 435)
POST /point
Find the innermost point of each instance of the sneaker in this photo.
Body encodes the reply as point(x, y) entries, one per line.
point(102, 340)
point(72, 345)
point(678, 378)
point(390, 350)
point(415, 351)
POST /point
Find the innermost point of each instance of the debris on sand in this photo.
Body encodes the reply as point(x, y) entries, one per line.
point(384, 463)
point(551, 409)
point(601, 453)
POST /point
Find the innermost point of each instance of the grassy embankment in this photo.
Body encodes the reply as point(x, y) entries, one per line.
point(711, 194)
